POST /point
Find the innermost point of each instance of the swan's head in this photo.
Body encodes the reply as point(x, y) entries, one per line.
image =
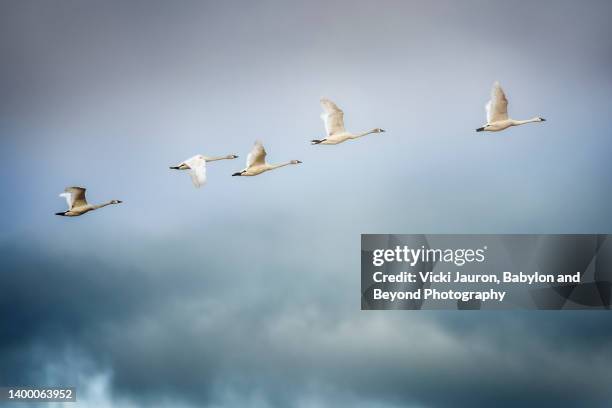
point(116, 201)
point(295, 162)
point(541, 119)
point(378, 130)
point(232, 156)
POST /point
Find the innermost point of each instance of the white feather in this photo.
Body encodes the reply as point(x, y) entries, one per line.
point(68, 198)
point(198, 175)
point(257, 156)
point(333, 118)
point(497, 107)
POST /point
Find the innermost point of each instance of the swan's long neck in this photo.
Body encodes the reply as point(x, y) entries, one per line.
point(276, 166)
point(522, 122)
point(363, 134)
point(95, 207)
point(209, 159)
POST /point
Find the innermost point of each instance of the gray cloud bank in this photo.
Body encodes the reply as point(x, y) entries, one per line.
point(165, 336)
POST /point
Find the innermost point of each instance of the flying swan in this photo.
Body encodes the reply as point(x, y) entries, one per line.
point(256, 162)
point(197, 169)
point(497, 112)
point(333, 117)
point(77, 204)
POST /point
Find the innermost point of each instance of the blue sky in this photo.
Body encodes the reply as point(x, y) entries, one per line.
point(246, 292)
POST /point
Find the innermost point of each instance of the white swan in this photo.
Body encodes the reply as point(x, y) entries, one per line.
point(497, 112)
point(256, 162)
point(333, 117)
point(197, 169)
point(77, 204)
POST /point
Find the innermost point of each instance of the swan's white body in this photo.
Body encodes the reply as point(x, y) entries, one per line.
point(497, 112)
point(333, 118)
point(256, 162)
point(197, 169)
point(77, 203)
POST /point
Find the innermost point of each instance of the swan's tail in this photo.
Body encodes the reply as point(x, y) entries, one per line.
point(315, 141)
point(480, 129)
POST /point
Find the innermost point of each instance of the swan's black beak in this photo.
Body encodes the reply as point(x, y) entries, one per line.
point(383, 130)
point(235, 156)
point(299, 162)
point(543, 120)
point(480, 129)
point(237, 174)
point(119, 201)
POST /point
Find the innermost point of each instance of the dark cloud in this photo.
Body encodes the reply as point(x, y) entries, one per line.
point(163, 338)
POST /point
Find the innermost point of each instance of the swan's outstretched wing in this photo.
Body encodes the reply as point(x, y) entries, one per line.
point(198, 175)
point(333, 117)
point(197, 170)
point(497, 107)
point(257, 157)
point(68, 198)
point(75, 197)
